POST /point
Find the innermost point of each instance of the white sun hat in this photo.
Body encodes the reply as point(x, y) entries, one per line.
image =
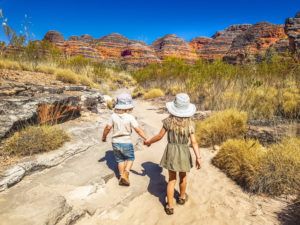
point(181, 106)
point(124, 101)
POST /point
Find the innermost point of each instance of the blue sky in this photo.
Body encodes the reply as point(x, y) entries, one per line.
point(143, 20)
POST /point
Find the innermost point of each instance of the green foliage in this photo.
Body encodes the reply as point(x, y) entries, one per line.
point(33, 140)
point(221, 126)
point(154, 93)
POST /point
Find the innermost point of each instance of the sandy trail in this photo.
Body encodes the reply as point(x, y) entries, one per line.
point(75, 192)
point(214, 198)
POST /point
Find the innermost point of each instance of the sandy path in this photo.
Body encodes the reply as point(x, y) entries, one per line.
point(75, 192)
point(214, 198)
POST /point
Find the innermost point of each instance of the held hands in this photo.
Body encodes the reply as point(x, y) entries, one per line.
point(147, 142)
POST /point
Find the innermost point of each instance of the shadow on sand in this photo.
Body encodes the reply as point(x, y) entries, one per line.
point(157, 184)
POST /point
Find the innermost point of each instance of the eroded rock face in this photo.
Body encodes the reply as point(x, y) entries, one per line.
point(252, 44)
point(138, 54)
point(54, 36)
point(111, 46)
point(217, 46)
point(84, 38)
point(173, 46)
point(292, 29)
point(75, 48)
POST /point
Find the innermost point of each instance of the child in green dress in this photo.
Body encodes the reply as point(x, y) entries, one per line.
point(177, 157)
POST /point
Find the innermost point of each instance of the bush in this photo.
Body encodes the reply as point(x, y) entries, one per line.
point(280, 169)
point(291, 101)
point(35, 139)
point(241, 161)
point(221, 126)
point(138, 92)
point(261, 102)
point(8, 64)
point(67, 76)
point(154, 93)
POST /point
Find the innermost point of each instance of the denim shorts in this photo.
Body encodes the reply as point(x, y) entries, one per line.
point(123, 152)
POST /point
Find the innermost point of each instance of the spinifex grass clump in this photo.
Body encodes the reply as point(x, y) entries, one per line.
point(34, 139)
point(240, 160)
point(154, 93)
point(273, 171)
point(280, 169)
point(221, 126)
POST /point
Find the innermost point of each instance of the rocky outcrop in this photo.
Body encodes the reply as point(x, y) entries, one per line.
point(217, 46)
point(292, 29)
point(23, 104)
point(173, 46)
point(75, 48)
point(84, 38)
point(138, 54)
point(252, 44)
point(111, 46)
point(54, 36)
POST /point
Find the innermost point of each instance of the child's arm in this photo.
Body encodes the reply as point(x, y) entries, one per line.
point(106, 132)
point(140, 132)
point(196, 150)
point(157, 137)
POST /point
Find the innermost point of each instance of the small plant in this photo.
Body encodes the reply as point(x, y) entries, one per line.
point(240, 160)
point(33, 140)
point(138, 92)
point(221, 126)
point(154, 93)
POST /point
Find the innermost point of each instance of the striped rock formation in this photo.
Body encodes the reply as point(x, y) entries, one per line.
point(173, 46)
point(217, 46)
point(253, 43)
point(138, 54)
point(75, 48)
point(111, 46)
point(292, 29)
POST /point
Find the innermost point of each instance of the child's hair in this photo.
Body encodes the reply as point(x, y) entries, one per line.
point(179, 124)
point(123, 110)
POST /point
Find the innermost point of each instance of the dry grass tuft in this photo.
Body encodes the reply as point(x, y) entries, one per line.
point(240, 160)
point(154, 93)
point(33, 140)
point(221, 126)
point(280, 169)
point(138, 92)
point(67, 76)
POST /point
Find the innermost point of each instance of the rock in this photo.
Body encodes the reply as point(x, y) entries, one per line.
point(84, 38)
point(111, 46)
point(90, 101)
point(82, 192)
point(252, 44)
point(138, 54)
point(76, 88)
point(80, 48)
point(173, 46)
point(58, 212)
point(292, 29)
point(53, 36)
point(217, 46)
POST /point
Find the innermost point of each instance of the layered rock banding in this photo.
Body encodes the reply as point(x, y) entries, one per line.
point(173, 46)
point(292, 29)
point(220, 43)
point(235, 44)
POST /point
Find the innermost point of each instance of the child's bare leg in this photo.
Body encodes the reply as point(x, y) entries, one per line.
point(128, 165)
point(170, 188)
point(121, 167)
point(182, 184)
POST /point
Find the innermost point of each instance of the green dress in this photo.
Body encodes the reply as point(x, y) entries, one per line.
point(177, 156)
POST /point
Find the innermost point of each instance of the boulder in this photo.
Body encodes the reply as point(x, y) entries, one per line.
point(53, 36)
point(173, 46)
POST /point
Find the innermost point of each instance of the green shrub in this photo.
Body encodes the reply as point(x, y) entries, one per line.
point(221, 126)
point(280, 169)
point(154, 93)
point(240, 160)
point(35, 139)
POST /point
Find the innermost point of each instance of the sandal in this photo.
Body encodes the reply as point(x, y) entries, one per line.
point(182, 201)
point(168, 210)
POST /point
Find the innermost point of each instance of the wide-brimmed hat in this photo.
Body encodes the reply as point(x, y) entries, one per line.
point(181, 106)
point(124, 101)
